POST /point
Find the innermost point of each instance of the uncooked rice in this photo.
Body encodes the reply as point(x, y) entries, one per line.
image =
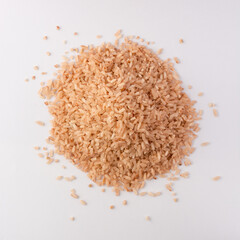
point(216, 178)
point(40, 123)
point(120, 114)
point(83, 202)
point(204, 144)
point(215, 112)
point(147, 218)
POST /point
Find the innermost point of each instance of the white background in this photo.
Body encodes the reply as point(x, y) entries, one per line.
point(34, 206)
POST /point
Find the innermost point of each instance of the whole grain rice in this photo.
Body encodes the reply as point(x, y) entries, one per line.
point(216, 178)
point(120, 114)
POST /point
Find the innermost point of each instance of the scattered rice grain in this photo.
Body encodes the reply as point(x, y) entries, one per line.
point(180, 40)
point(83, 202)
point(215, 112)
point(204, 144)
point(40, 123)
point(148, 218)
point(216, 178)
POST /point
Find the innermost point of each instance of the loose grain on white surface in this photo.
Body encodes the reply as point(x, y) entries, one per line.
point(211, 57)
point(125, 142)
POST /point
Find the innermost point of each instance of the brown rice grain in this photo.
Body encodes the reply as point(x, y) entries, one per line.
point(159, 51)
point(216, 178)
point(40, 123)
point(180, 40)
point(204, 144)
point(151, 194)
point(40, 155)
point(184, 175)
point(148, 218)
point(83, 202)
point(215, 112)
point(74, 195)
point(176, 60)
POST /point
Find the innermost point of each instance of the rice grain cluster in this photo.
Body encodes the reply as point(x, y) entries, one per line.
point(120, 114)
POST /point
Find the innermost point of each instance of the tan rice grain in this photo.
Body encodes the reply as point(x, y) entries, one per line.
point(180, 40)
point(40, 155)
point(216, 178)
point(124, 202)
point(159, 51)
point(148, 218)
point(211, 104)
point(184, 174)
point(151, 194)
point(40, 123)
point(215, 112)
point(83, 202)
point(176, 60)
point(74, 195)
point(112, 207)
point(59, 177)
point(169, 187)
point(204, 144)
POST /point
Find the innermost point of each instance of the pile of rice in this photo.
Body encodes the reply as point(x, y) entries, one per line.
point(120, 114)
